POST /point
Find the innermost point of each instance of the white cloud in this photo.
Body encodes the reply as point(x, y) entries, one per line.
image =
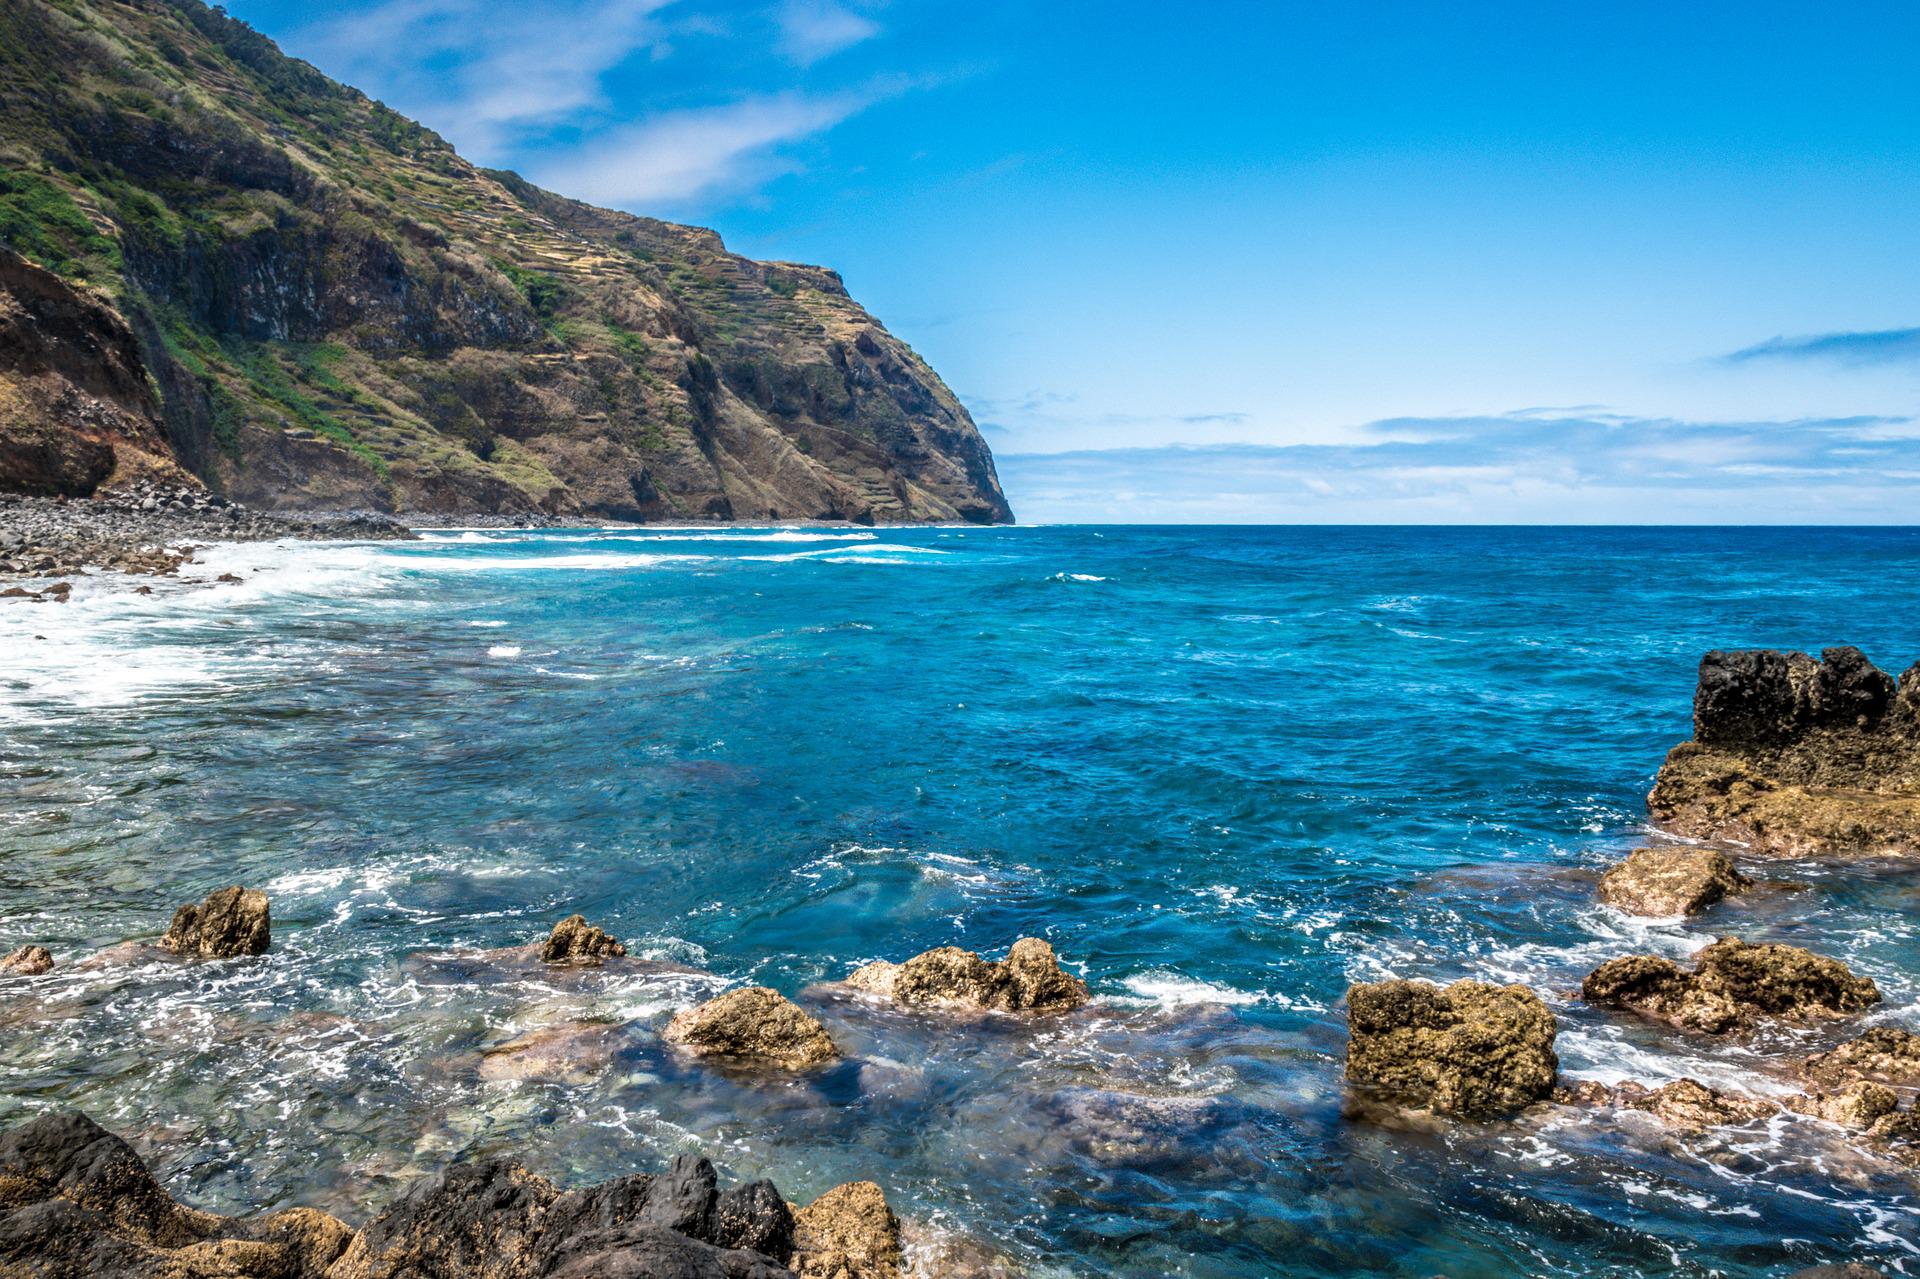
point(815, 29)
point(480, 73)
point(681, 154)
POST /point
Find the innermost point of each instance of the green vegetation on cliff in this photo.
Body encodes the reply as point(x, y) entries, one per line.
point(335, 309)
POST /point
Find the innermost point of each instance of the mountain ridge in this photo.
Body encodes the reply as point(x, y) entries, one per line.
point(331, 308)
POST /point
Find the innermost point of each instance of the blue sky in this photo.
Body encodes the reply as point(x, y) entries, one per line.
point(1374, 262)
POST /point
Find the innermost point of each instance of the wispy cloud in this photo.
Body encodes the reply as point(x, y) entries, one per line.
point(1874, 346)
point(481, 73)
point(682, 154)
point(1499, 468)
point(814, 29)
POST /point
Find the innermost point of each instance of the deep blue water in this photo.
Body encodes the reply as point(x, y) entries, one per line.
point(1225, 771)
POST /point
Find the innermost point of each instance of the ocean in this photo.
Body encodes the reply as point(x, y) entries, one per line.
point(1226, 772)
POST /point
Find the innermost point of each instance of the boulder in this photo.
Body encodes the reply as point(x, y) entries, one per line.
point(1796, 757)
point(1670, 881)
point(1685, 1104)
point(1884, 1054)
point(1030, 979)
point(231, 922)
point(27, 961)
point(1732, 985)
point(1472, 1049)
point(756, 1024)
point(847, 1233)
point(575, 941)
point(1858, 1106)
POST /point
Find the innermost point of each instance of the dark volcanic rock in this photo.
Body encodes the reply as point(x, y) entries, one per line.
point(1472, 1049)
point(1733, 983)
point(77, 1203)
point(575, 941)
point(230, 922)
point(1030, 979)
point(1670, 881)
point(27, 961)
point(756, 1024)
point(1793, 757)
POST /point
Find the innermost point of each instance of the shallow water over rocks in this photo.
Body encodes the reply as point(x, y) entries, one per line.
point(1224, 773)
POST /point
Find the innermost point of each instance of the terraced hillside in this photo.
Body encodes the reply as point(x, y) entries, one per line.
point(215, 259)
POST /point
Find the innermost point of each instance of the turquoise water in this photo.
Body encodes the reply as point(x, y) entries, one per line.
point(1226, 772)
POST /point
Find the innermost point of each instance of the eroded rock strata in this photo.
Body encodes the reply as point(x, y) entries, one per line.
point(76, 1201)
point(1796, 757)
point(1471, 1049)
point(1029, 979)
point(1732, 985)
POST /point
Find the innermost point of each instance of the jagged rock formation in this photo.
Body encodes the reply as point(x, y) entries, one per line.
point(1685, 1104)
point(229, 923)
point(310, 302)
point(1795, 757)
point(756, 1024)
point(575, 941)
point(1732, 985)
point(76, 1201)
point(1029, 979)
point(27, 961)
point(1883, 1054)
point(1472, 1049)
point(1664, 882)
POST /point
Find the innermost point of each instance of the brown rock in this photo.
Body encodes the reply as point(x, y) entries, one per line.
point(1884, 1054)
point(755, 1024)
point(233, 921)
point(575, 941)
point(1857, 1106)
point(1670, 881)
point(1686, 1104)
point(1030, 979)
point(1473, 1049)
point(1733, 984)
point(572, 1052)
point(847, 1233)
point(27, 961)
point(1796, 757)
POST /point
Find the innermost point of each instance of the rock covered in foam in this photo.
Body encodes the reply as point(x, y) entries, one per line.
point(575, 941)
point(757, 1024)
point(229, 923)
point(1029, 979)
point(847, 1233)
point(27, 961)
point(1671, 881)
point(1732, 985)
point(1793, 756)
point(1685, 1104)
point(1471, 1049)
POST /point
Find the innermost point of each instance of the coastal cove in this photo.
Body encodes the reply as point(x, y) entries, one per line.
point(1224, 772)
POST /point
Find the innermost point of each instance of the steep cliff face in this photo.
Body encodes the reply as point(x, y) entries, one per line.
point(314, 302)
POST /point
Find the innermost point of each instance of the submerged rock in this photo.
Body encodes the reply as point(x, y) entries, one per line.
point(1670, 881)
point(755, 1024)
point(1732, 985)
point(1794, 757)
point(76, 1201)
point(231, 922)
point(575, 941)
point(1686, 1104)
point(27, 961)
point(572, 1052)
point(1473, 1049)
point(1884, 1054)
point(1030, 979)
point(847, 1233)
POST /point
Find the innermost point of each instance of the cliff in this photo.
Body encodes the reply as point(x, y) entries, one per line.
point(223, 262)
